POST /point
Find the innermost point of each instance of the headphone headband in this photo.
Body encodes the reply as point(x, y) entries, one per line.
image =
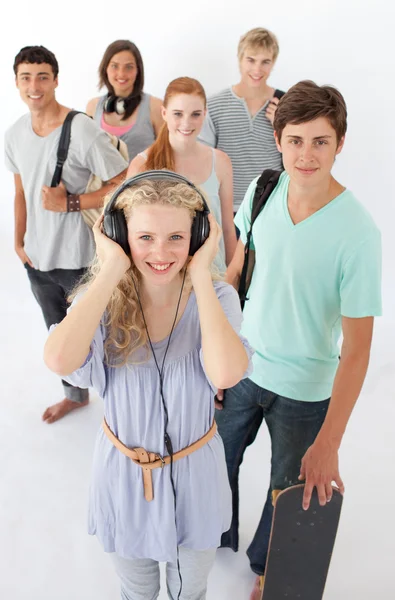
point(157, 175)
point(115, 226)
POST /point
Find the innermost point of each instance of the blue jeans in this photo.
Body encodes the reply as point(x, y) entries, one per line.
point(293, 426)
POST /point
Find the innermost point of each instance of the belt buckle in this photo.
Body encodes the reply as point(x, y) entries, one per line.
point(161, 459)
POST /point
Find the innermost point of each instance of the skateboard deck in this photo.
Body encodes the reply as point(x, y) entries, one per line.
point(301, 546)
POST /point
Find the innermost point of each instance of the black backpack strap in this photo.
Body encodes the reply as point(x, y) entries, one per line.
point(63, 147)
point(278, 94)
point(264, 187)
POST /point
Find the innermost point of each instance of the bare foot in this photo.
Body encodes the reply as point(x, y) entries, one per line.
point(258, 588)
point(59, 410)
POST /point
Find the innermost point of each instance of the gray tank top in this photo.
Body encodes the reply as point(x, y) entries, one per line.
point(141, 134)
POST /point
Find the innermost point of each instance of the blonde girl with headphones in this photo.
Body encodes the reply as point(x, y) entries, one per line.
point(155, 333)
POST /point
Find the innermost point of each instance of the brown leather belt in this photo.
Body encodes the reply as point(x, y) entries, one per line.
point(150, 460)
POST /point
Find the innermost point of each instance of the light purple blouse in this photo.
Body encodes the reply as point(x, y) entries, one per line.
point(119, 515)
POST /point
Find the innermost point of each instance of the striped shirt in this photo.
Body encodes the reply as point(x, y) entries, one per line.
point(247, 140)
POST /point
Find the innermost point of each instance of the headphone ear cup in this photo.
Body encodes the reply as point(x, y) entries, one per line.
point(205, 228)
point(199, 232)
point(194, 235)
point(119, 106)
point(109, 103)
point(115, 228)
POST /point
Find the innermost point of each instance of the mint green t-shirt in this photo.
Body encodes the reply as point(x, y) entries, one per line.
point(306, 277)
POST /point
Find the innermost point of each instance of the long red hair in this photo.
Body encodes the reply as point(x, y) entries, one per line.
point(160, 154)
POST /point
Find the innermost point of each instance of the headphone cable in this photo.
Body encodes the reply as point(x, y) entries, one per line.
point(168, 442)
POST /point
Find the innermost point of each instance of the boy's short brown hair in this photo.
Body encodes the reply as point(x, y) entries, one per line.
point(307, 101)
point(258, 38)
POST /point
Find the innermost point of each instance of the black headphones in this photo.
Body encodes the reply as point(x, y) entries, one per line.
point(120, 105)
point(114, 224)
point(114, 104)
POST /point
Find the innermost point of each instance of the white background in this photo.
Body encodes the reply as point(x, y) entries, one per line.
point(45, 553)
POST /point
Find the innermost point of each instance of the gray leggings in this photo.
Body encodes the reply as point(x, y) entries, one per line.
point(140, 578)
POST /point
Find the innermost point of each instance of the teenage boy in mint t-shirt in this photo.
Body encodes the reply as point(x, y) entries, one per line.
point(317, 275)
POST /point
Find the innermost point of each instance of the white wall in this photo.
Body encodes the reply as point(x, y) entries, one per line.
point(45, 469)
point(347, 43)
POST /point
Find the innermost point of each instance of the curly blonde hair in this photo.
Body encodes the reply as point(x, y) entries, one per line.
point(123, 320)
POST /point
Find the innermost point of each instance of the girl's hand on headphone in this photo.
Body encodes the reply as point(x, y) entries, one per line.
point(203, 258)
point(107, 250)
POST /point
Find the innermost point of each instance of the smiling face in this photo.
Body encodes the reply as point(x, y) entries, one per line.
point(256, 65)
point(122, 72)
point(36, 84)
point(159, 237)
point(309, 151)
point(184, 115)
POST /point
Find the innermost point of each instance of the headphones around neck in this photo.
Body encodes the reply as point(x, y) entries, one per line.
point(119, 105)
point(115, 226)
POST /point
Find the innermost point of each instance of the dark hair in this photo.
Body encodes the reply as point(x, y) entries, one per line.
point(36, 55)
point(135, 96)
point(307, 101)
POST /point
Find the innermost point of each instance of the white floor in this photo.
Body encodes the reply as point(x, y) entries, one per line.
point(45, 553)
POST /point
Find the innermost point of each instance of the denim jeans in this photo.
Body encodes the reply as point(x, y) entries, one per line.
point(50, 289)
point(293, 426)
